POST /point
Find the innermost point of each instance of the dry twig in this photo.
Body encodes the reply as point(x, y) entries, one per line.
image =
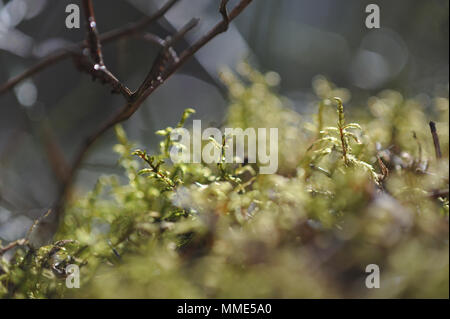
point(11, 245)
point(437, 145)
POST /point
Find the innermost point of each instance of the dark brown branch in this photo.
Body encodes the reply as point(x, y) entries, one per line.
point(170, 41)
point(164, 59)
point(97, 68)
point(104, 38)
point(131, 107)
point(153, 38)
point(93, 41)
point(16, 243)
point(216, 30)
point(437, 145)
point(224, 12)
point(100, 72)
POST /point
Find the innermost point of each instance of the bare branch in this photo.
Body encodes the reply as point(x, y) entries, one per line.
point(437, 145)
point(153, 38)
point(216, 30)
point(97, 68)
point(163, 60)
point(182, 32)
point(93, 41)
point(67, 52)
point(16, 243)
point(131, 107)
point(100, 72)
point(223, 11)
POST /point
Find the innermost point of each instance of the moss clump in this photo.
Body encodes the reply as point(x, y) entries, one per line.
point(345, 196)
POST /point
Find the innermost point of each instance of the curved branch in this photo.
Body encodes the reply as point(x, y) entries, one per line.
point(16, 243)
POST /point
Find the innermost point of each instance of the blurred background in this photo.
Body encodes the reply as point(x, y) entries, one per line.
point(298, 39)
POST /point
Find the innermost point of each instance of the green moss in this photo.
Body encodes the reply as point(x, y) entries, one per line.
point(345, 196)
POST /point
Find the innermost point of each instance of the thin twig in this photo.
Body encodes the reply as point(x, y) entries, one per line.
point(97, 68)
point(100, 72)
point(11, 245)
point(182, 32)
point(223, 11)
point(437, 145)
point(93, 41)
point(164, 58)
point(153, 38)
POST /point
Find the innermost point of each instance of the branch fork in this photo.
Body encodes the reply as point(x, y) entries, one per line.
point(88, 58)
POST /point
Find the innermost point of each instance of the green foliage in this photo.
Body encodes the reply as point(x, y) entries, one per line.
point(332, 138)
point(345, 196)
